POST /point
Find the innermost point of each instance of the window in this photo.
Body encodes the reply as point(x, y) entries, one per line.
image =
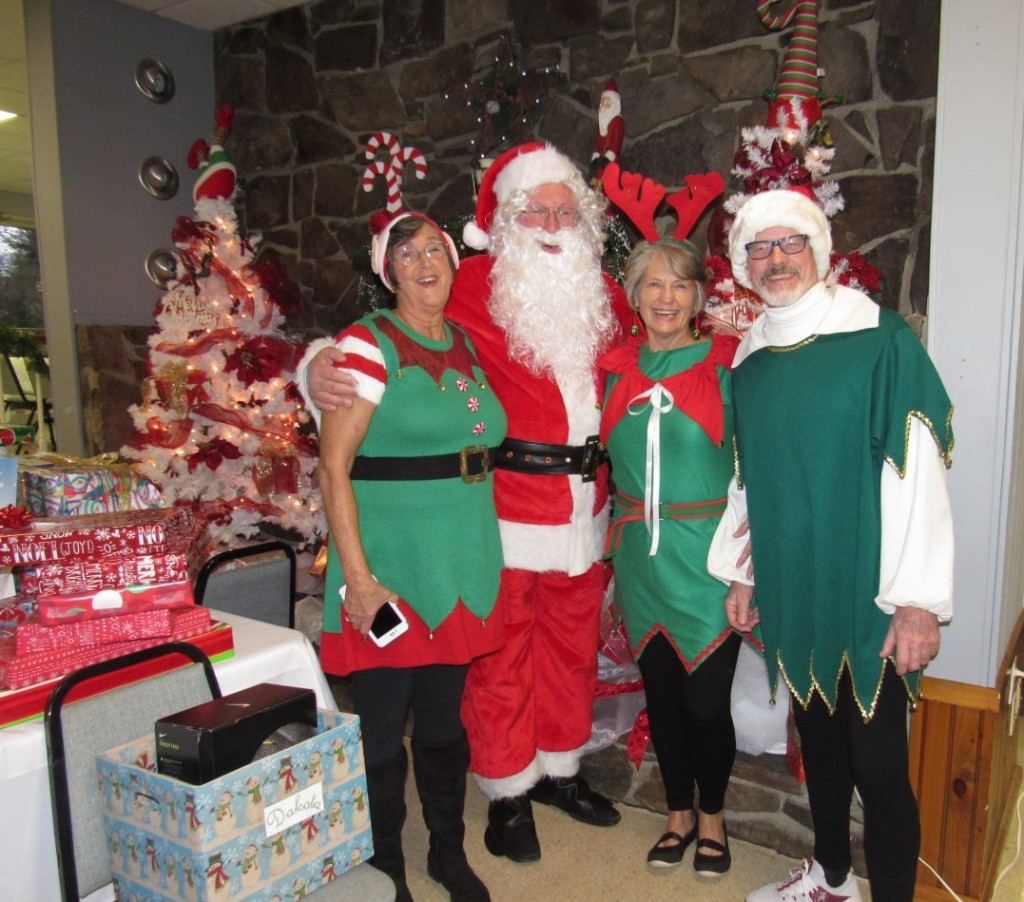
point(21, 296)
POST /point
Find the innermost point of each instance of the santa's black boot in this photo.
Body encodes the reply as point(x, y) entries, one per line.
point(385, 785)
point(441, 780)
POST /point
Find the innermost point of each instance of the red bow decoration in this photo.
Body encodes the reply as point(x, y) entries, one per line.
point(14, 517)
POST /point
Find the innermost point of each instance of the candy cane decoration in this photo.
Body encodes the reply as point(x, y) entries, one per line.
point(373, 145)
point(418, 160)
point(392, 167)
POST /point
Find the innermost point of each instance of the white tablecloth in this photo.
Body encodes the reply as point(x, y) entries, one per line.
point(28, 871)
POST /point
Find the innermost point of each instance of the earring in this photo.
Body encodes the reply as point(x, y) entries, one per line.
point(634, 330)
point(694, 331)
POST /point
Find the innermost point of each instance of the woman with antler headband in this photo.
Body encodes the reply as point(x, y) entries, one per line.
point(668, 428)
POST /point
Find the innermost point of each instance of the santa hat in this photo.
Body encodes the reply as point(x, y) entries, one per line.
point(611, 88)
point(791, 208)
point(522, 168)
point(379, 243)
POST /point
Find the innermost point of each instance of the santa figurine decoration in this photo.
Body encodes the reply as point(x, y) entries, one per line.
point(217, 173)
point(611, 129)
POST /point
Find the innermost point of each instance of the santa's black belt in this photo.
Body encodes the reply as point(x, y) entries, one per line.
point(471, 464)
point(552, 460)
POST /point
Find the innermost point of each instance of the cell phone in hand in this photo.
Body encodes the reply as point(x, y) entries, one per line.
point(388, 624)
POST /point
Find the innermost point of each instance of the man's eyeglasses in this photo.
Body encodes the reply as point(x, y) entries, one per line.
point(407, 255)
point(535, 217)
point(791, 244)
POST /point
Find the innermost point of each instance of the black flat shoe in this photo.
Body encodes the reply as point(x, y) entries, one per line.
point(511, 831)
point(573, 796)
point(664, 857)
point(712, 865)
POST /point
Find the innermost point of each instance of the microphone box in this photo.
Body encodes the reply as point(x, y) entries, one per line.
point(209, 740)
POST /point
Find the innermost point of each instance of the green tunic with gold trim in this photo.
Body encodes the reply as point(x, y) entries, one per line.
point(815, 424)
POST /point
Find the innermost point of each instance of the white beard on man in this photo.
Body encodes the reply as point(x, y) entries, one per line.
point(553, 307)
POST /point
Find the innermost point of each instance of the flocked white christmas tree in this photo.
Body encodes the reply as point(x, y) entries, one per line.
point(221, 424)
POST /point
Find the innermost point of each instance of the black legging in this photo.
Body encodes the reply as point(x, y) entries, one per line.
point(382, 697)
point(691, 722)
point(840, 751)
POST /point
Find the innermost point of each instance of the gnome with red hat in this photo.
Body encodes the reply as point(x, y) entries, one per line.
point(538, 310)
point(217, 174)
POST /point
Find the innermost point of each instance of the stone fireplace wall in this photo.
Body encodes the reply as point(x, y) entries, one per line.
point(310, 85)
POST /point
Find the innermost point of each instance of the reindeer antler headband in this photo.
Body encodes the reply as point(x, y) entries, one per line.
point(638, 198)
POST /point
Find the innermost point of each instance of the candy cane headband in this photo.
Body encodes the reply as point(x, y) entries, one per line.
point(379, 246)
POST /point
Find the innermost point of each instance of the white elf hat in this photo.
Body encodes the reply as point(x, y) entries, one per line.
point(791, 208)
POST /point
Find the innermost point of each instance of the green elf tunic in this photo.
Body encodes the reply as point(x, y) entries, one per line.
point(684, 395)
point(816, 422)
point(435, 542)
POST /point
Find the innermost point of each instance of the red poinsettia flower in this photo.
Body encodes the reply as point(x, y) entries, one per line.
point(259, 360)
point(213, 453)
point(717, 269)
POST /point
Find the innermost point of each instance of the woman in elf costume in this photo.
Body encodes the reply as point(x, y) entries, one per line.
point(667, 423)
point(405, 475)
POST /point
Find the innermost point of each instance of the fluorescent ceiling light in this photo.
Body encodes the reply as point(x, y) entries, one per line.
point(4, 115)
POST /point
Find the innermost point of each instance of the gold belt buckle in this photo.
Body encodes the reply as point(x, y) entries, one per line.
point(485, 460)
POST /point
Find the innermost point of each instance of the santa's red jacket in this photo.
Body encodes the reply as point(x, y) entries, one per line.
point(548, 523)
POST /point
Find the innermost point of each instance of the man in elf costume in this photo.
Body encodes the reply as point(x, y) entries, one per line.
point(843, 438)
point(539, 310)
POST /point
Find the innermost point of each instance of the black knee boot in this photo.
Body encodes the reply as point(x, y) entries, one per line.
point(385, 786)
point(441, 780)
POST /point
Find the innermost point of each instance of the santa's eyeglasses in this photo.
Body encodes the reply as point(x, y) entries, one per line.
point(791, 244)
point(536, 217)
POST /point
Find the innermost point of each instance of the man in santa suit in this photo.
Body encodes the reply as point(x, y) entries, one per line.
point(539, 311)
point(611, 129)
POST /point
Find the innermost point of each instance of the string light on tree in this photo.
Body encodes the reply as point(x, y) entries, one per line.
point(220, 423)
point(504, 98)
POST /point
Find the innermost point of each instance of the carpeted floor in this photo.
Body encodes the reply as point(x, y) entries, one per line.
point(584, 864)
point(587, 863)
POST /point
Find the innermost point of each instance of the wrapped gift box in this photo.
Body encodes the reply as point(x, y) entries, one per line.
point(21, 705)
point(65, 490)
point(16, 435)
point(95, 536)
point(18, 671)
point(33, 637)
point(280, 827)
point(78, 576)
point(57, 609)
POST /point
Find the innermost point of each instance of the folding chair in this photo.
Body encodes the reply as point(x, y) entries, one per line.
point(262, 589)
point(78, 731)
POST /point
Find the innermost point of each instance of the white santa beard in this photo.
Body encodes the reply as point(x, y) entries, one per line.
point(605, 115)
point(555, 313)
point(553, 308)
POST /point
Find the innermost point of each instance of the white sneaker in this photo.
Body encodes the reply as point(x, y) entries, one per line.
point(808, 884)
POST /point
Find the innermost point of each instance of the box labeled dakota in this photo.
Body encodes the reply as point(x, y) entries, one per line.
point(281, 826)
